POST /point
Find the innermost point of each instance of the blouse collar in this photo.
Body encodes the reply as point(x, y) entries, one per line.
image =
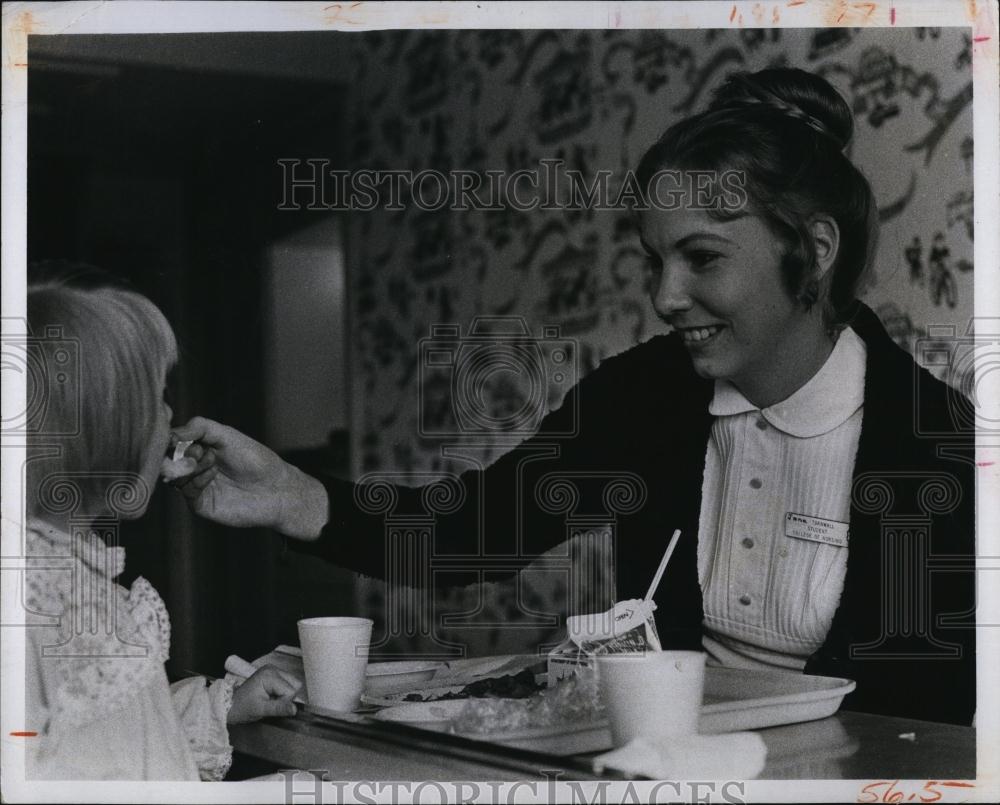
point(825, 402)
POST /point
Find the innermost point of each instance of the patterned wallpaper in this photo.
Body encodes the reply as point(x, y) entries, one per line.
point(505, 100)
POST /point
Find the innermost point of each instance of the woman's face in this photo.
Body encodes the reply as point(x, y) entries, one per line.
point(718, 283)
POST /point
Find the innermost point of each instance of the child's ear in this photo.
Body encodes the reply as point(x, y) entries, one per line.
point(826, 239)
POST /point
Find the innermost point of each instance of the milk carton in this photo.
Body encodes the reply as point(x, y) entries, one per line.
point(627, 627)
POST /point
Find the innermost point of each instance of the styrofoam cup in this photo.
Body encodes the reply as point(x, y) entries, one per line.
point(653, 694)
point(335, 655)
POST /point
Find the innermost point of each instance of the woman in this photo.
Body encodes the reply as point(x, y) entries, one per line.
point(97, 691)
point(776, 423)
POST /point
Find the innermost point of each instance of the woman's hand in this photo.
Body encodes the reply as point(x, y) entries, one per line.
point(265, 694)
point(238, 481)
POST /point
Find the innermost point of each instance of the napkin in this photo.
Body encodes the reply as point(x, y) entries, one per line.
point(732, 756)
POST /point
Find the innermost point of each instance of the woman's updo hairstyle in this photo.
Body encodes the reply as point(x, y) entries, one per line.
point(785, 131)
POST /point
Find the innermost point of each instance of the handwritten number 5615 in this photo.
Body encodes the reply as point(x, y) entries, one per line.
point(929, 793)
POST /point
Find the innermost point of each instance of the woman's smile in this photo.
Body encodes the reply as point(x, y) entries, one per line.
point(699, 337)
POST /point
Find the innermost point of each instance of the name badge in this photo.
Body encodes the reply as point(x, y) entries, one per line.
point(816, 529)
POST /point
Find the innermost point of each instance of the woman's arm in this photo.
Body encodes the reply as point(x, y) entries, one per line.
point(605, 455)
point(484, 511)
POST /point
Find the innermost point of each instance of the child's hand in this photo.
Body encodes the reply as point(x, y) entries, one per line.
point(267, 693)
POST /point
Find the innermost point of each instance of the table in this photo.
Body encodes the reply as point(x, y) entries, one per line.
point(846, 745)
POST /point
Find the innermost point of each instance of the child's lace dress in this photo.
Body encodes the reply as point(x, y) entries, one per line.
point(96, 689)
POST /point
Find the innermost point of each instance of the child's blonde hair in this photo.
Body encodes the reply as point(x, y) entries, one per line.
point(93, 421)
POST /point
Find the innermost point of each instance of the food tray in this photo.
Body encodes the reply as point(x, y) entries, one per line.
point(734, 700)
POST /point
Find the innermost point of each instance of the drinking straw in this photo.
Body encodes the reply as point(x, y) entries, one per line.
point(239, 667)
point(663, 565)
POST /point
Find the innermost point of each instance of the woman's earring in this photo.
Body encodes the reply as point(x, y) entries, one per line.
point(809, 295)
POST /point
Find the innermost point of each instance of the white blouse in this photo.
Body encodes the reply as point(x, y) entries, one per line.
point(772, 541)
point(97, 692)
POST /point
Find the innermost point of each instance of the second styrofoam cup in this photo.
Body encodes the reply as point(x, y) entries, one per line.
point(654, 694)
point(335, 656)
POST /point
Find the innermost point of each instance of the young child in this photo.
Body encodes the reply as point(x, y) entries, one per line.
point(97, 692)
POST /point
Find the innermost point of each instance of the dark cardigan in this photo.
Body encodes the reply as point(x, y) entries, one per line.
point(903, 629)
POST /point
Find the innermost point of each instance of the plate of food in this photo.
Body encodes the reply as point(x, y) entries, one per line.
point(382, 678)
point(564, 719)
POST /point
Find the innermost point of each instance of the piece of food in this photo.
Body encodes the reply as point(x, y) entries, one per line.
point(511, 686)
point(574, 699)
point(172, 468)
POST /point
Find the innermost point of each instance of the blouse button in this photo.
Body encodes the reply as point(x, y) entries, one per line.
point(747, 542)
point(761, 424)
point(745, 600)
point(756, 483)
